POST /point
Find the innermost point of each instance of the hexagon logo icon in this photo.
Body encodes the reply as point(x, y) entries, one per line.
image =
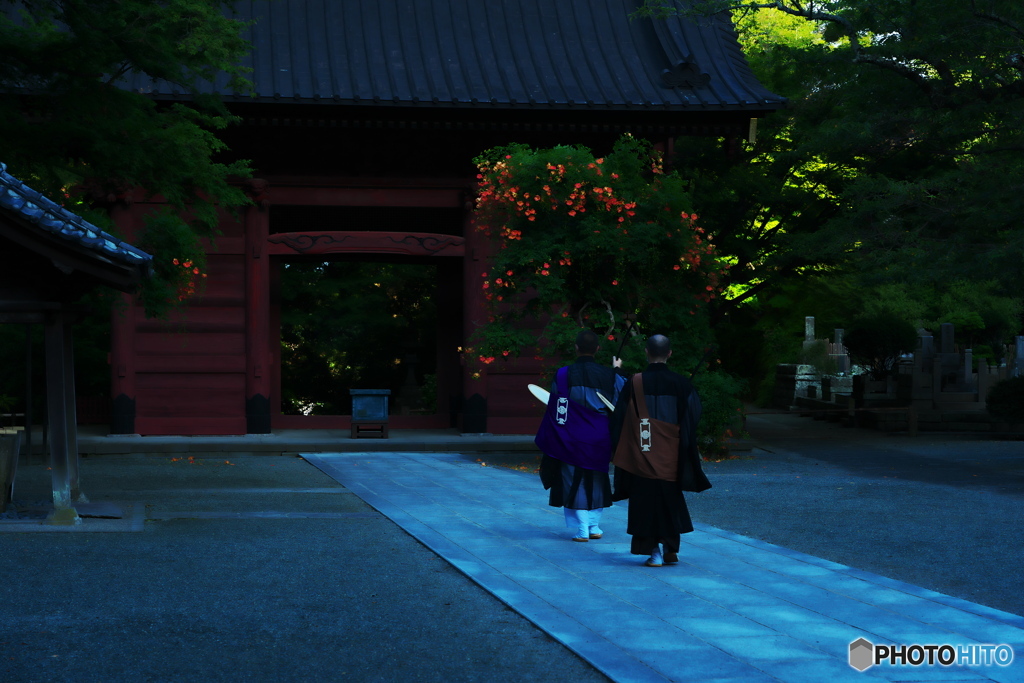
point(861, 654)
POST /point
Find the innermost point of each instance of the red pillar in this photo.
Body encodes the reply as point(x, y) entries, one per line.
point(257, 311)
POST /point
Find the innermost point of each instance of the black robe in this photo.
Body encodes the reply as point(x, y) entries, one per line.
point(657, 509)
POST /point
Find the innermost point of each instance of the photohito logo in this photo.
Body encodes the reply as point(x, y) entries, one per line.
point(865, 654)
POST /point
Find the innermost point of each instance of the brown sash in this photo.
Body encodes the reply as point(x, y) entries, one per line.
point(647, 447)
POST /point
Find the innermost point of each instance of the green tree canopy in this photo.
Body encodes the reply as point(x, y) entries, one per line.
point(878, 341)
point(73, 131)
point(604, 243)
point(355, 325)
point(892, 175)
point(901, 148)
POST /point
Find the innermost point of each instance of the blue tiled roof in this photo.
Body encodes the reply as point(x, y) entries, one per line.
point(48, 216)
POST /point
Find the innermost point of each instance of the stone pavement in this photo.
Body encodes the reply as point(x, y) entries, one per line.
point(93, 440)
point(733, 609)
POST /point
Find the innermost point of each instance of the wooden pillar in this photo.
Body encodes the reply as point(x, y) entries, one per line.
point(474, 375)
point(62, 432)
point(71, 414)
point(449, 305)
point(27, 445)
point(274, 338)
point(257, 311)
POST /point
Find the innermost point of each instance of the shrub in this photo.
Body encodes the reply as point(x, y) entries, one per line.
point(817, 355)
point(1006, 400)
point(878, 341)
point(721, 414)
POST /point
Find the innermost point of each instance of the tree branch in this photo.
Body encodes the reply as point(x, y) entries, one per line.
point(807, 11)
point(997, 19)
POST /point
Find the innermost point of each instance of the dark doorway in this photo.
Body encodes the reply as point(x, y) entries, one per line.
point(357, 323)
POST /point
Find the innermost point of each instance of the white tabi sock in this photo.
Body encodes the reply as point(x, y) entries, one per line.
point(595, 521)
point(579, 520)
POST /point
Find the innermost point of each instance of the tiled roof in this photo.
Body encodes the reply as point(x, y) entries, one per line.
point(52, 218)
point(499, 54)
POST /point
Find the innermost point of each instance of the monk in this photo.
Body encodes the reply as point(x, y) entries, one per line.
point(654, 436)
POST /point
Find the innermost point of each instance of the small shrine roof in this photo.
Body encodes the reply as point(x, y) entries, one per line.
point(500, 54)
point(53, 219)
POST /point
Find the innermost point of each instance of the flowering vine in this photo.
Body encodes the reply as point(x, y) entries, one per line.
point(585, 241)
point(187, 279)
point(179, 264)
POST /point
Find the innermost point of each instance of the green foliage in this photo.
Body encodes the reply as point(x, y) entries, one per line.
point(978, 312)
point(354, 325)
point(610, 244)
point(878, 341)
point(769, 329)
point(981, 315)
point(595, 243)
point(898, 155)
point(1006, 400)
point(91, 335)
point(71, 132)
point(817, 355)
point(178, 262)
point(13, 369)
point(914, 304)
point(893, 172)
point(721, 417)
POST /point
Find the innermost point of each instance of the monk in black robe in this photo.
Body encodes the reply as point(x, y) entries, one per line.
point(656, 456)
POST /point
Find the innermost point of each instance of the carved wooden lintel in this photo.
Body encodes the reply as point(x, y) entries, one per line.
point(404, 243)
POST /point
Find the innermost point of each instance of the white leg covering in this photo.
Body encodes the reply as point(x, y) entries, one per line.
point(595, 521)
point(578, 520)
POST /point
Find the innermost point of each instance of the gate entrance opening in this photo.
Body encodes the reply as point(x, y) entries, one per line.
point(358, 324)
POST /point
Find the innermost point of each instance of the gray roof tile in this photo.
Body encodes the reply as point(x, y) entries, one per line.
point(499, 53)
point(50, 217)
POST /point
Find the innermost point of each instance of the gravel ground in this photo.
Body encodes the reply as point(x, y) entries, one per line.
point(941, 512)
point(218, 596)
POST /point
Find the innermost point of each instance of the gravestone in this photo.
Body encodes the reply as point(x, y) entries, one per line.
point(808, 331)
point(9, 447)
point(949, 361)
point(842, 358)
point(946, 337)
point(922, 378)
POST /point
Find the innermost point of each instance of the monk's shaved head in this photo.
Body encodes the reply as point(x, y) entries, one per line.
point(658, 348)
point(587, 342)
